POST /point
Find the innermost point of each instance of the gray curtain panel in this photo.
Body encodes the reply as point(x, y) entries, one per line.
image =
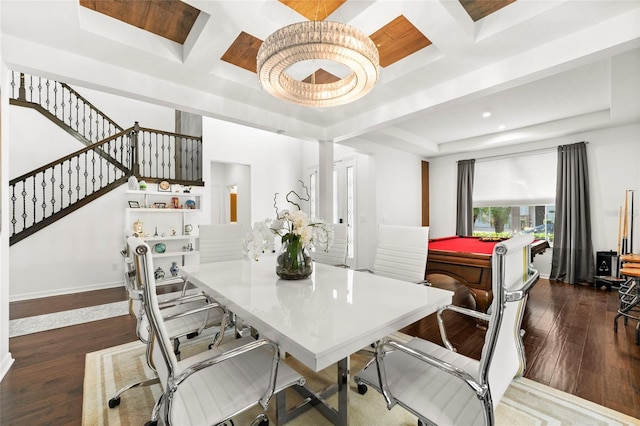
point(572, 260)
point(464, 211)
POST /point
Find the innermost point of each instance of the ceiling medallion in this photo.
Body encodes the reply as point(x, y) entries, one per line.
point(318, 41)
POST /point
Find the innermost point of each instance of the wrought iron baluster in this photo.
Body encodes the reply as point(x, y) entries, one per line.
point(34, 200)
point(55, 99)
point(169, 166)
point(30, 88)
point(44, 194)
point(77, 180)
point(77, 112)
point(189, 150)
point(70, 101)
point(24, 204)
point(61, 186)
point(101, 176)
point(48, 101)
point(109, 173)
point(13, 210)
point(85, 174)
point(13, 85)
point(70, 183)
point(143, 158)
point(53, 189)
point(39, 90)
point(93, 170)
point(158, 161)
point(63, 104)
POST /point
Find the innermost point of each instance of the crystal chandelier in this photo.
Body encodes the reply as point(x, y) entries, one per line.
point(318, 41)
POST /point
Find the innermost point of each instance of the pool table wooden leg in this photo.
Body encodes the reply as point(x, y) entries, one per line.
point(482, 297)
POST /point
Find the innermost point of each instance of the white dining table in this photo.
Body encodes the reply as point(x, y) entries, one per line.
point(320, 320)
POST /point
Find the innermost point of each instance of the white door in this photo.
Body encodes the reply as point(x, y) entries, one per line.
point(344, 200)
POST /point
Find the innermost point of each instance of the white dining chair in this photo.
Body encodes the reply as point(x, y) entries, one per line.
point(441, 386)
point(193, 312)
point(213, 386)
point(337, 253)
point(220, 242)
point(401, 252)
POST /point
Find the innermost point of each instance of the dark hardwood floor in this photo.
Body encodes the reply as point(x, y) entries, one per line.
point(570, 345)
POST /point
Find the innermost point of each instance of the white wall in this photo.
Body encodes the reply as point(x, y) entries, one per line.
point(276, 161)
point(613, 157)
point(78, 253)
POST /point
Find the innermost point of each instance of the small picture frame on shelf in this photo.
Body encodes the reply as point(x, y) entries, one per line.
point(164, 186)
point(134, 204)
point(159, 205)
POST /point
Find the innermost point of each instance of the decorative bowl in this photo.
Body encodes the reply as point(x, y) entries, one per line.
point(159, 248)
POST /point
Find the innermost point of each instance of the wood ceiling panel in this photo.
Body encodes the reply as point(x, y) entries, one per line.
point(171, 19)
point(321, 77)
point(478, 9)
point(243, 52)
point(397, 40)
point(314, 10)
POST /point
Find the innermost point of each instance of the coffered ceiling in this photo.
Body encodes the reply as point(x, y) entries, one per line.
point(542, 69)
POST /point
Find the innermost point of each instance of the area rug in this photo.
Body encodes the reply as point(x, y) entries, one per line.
point(525, 402)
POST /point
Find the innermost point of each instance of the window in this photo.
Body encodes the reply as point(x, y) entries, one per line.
point(515, 194)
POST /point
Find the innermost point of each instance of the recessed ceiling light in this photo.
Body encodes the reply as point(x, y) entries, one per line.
point(486, 114)
point(502, 127)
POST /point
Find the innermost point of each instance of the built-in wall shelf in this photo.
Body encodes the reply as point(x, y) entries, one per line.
point(168, 219)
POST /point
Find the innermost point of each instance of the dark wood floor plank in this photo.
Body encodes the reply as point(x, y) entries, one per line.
point(590, 386)
point(565, 375)
point(41, 306)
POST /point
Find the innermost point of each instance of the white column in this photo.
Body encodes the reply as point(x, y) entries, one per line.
point(325, 180)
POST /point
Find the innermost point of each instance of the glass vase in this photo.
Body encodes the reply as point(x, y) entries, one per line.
point(293, 261)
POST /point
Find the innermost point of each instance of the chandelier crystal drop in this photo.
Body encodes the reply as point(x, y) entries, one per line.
point(318, 41)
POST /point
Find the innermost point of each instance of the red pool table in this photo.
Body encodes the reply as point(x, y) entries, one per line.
point(468, 261)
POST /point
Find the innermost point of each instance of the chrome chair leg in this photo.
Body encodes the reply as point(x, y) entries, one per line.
point(115, 401)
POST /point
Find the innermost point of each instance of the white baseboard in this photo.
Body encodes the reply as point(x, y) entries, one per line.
point(59, 292)
point(7, 362)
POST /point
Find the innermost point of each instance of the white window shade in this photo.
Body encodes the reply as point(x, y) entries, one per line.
point(524, 180)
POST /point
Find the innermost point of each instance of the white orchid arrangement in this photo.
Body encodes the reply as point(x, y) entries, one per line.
point(294, 227)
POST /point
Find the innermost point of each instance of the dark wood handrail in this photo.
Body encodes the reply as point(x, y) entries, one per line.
point(93, 147)
point(36, 98)
point(102, 114)
point(177, 135)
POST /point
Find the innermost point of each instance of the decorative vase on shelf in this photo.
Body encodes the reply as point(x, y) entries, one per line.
point(174, 269)
point(293, 261)
point(158, 273)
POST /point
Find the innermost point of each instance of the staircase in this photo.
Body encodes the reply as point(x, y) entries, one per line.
point(110, 156)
